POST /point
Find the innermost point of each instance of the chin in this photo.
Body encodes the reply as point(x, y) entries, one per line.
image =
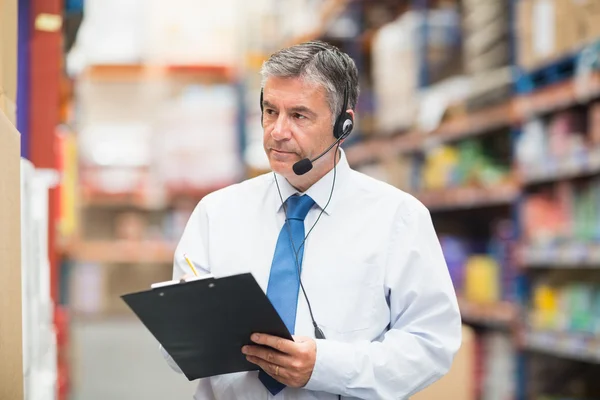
point(282, 168)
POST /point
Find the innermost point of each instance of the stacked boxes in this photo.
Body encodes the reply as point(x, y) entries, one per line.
point(486, 35)
point(548, 30)
point(487, 51)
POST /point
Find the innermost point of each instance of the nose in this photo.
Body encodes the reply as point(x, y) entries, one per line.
point(281, 128)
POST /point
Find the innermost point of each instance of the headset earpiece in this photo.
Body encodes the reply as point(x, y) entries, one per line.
point(344, 121)
point(347, 126)
point(261, 107)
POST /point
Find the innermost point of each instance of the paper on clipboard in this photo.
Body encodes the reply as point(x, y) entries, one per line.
point(177, 282)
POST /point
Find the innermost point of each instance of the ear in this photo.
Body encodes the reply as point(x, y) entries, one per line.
point(351, 112)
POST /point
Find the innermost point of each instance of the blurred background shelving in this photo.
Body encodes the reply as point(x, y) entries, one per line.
point(487, 111)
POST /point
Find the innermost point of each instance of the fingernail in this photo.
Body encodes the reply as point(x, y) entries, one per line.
point(245, 350)
point(255, 337)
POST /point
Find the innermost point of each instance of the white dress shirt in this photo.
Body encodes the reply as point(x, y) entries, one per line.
point(373, 271)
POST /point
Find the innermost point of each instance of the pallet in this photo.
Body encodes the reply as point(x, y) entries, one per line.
point(558, 71)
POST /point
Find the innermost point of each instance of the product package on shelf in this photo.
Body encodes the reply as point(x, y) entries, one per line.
point(559, 146)
point(470, 163)
point(498, 363)
point(205, 152)
point(486, 35)
point(544, 32)
point(567, 308)
point(487, 52)
point(561, 224)
point(585, 15)
point(483, 271)
point(114, 141)
point(213, 35)
point(397, 171)
point(148, 37)
point(396, 48)
point(177, 136)
point(551, 30)
point(39, 333)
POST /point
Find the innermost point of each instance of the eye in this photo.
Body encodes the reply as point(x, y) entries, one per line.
point(299, 116)
point(270, 111)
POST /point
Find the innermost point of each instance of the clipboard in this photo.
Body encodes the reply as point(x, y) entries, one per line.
point(204, 323)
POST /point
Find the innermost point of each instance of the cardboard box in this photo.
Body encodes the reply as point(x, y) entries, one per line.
point(546, 31)
point(8, 57)
point(11, 347)
point(459, 382)
point(585, 17)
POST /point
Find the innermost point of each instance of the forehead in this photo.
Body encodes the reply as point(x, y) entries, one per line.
point(293, 91)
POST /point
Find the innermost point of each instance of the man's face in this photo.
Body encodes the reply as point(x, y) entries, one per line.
point(297, 122)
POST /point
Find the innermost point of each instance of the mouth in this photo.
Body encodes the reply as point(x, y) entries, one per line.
point(282, 152)
point(283, 156)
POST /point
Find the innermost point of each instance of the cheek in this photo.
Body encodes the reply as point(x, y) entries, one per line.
point(267, 134)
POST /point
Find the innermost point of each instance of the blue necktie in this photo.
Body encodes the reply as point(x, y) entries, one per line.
point(283, 280)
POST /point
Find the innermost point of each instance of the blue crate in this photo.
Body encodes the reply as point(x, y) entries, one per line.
point(558, 71)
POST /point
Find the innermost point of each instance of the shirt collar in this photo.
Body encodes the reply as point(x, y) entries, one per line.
point(320, 190)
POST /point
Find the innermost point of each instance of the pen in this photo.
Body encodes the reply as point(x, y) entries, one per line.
point(190, 264)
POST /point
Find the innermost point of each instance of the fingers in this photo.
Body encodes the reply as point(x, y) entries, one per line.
point(293, 368)
point(277, 343)
point(276, 371)
point(269, 355)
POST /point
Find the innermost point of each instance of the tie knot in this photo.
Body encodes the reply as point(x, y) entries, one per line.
point(298, 206)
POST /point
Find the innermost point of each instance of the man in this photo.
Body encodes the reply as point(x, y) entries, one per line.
point(385, 322)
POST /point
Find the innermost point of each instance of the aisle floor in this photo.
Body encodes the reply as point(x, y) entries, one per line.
point(119, 359)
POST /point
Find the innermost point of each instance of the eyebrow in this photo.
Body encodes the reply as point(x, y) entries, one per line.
point(297, 109)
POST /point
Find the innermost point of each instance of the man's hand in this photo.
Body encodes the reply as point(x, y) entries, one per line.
point(289, 362)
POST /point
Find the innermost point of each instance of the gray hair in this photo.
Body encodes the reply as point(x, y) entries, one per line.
point(320, 63)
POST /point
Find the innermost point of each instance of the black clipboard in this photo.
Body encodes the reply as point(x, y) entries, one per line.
point(204, 323)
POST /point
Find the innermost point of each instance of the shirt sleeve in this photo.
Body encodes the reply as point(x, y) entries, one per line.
point(194, 244)
point(425, 323)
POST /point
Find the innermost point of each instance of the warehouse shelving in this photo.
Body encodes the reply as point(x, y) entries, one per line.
point(136, 72)
point(455, 128)
point(569, 255)
point(521, 107)
point(468, 197)
point(568, 168)
point(502, 315)
point(506, 118)
point(122, 251)
point(581, 347)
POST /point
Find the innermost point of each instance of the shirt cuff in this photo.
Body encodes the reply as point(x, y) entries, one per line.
point(170, 360)
point(333, 367)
